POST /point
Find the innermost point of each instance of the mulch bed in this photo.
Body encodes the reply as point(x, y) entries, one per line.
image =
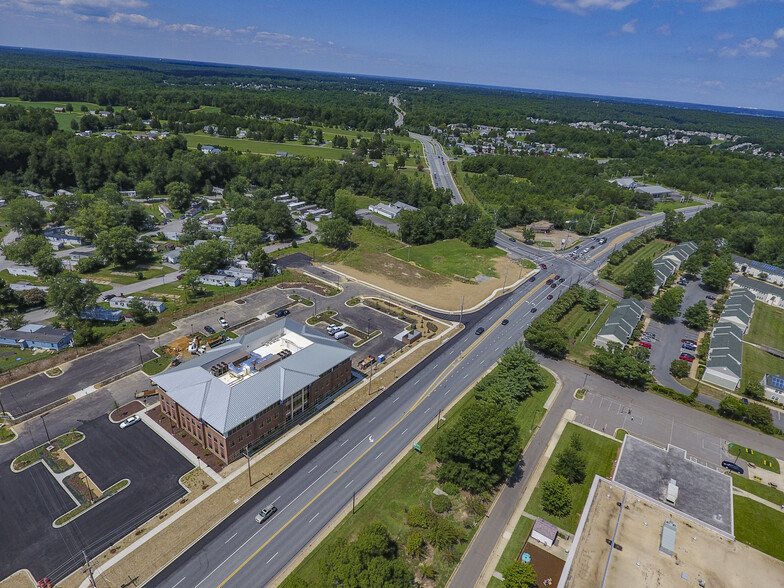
point(317, 288)
point(126, 410)
point(164, 421)
point(545, 564)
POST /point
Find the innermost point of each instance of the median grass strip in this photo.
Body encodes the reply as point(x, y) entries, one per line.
point(599, 452)
point(512, 549)
point(411, 482)
point(759, 526)
point(758, 458)
point(86, 505)
point(758, 489)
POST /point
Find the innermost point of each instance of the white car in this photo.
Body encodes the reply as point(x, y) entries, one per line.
point(266, 513)
point(224, 323)
point(130, 421)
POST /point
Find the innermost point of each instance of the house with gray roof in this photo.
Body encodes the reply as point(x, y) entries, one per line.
point(37, 336)
point(764, 292)
point(670, 261)
point(769, 272)
point(248, 391)
point(725, 355)
point(621, 323)
point(738, 309)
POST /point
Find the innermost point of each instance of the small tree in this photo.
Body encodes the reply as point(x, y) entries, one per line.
point(679, 368)
point(717, 274)
point(415, 545)
point(557, 497)
point(519, 575)
point(697, 316)
point(754, 390)
point(641, 279)
point(334, 233)
point(590, 300)
point(570, 464)
point(667, 306)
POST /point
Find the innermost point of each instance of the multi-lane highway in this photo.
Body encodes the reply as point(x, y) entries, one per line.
point(439, 168)
point(240, 552)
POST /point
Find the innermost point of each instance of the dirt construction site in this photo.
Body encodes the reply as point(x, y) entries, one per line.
point(700, 554)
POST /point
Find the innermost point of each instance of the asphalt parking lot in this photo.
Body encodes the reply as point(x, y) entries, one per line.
point(32, 499)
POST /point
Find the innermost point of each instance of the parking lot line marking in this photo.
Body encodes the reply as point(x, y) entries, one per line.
point(273, 557)
point(313, 519)
point(313, 468)
point(230, 538)
point(349, 484)
point(178, 583)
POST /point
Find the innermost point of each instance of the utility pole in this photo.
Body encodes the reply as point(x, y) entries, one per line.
point(438, 422)
point(613, 216)
point(89, 569)
point(593, 218)
point(46, 430)
point(506, 275)
point(353, 502)
point(461, 309)
point(370, 381)
point(247, 455)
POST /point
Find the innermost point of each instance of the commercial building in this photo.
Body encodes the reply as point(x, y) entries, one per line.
point(247, 392)
point(391, 211)
point(658, 192)
point(621, 323)
point(37, 336)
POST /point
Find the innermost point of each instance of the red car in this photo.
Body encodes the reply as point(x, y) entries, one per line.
point(645, 344)
point(543, 266)
point(687, 357)
point(549, 297)
point(557, 276)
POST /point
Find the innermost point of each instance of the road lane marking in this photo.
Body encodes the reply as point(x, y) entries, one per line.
point(230, 538)
point(178, 583)
point(310, 471)
point(313, 519)
point(273, 557)
point(379, 455)
point(404, 431)
point(371, 420)
point(395, 400)
point(344, 442)
point(349, 484)
point(437, 382)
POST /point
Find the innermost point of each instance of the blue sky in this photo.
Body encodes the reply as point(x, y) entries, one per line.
point(723, 52)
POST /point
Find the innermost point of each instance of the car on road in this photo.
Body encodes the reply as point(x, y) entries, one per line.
point(505, 322)
point(686, 357)
point(549, 297)
point(533, 309)
point(645, 344)
point(282, 312)
point(689, 341)
point(543, 265)
point(557, 277)
point(224, 323)
point(130, 421)
point(554, 284)
point(548, 282)
point(266, 513)
point(480, 330)
point(603, 240)
point(209, 329)
point(533, 279)
point(733, 467)
point(593, 247)
point(561, 280)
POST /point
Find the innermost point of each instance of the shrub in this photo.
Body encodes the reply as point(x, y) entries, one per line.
point(441, 504)
point(419, 516)
point(415, 546)
point(450, 488)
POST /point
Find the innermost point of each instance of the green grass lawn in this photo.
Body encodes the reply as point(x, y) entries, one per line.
point(11, 357)
point(759, 526)
point(599, 452)
point(757, 458)
point(758, 489)
point(452, 257)
point(126, 276)
point(653, 250)
point(767, 326)
point(757, 363)
point(266, 148)
point(516, 541)
point(664, 206)
point(410, 483)
point(578, 320)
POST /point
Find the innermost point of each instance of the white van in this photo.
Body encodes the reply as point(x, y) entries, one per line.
point(340, 335)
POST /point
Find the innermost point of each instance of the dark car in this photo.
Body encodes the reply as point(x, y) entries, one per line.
point(513, 239)
point(109, 296)
point(543, 265)
point(282, 312)
point(533, 310)
point(561, 280)
point(480, 330)
point(209, 329)
point(533, 279)
point(557, 277)
point(549, 297)
point(175, 362)
point(710, 297)
point(689, 346)
point(553, 285)
point(505, 322)
point(733, 467)
point(548, 282)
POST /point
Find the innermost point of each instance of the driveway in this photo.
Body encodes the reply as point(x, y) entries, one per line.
point(389, 225)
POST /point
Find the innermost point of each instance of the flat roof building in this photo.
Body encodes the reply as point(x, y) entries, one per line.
point(621, 323)
point(248, 391)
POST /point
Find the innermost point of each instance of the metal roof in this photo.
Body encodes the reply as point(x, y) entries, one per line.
point(726, 349)
point(225, 406)
point(623, 320)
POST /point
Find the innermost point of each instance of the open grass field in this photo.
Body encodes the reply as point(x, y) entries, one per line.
point(759, 526)
point(578, 321)
point(516, 541)
point(264, 147)
point(599, 452)
point(757, 363)
point(77, 106)
point(664, 206)
point(758, 489)
point(409, 483)
point(758, 458)
point(653, 250)
point(126, 276)
point(11, 357)
point(767, 326)
point(453, 258)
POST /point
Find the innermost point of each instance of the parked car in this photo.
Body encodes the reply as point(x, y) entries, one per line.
point(209, 329)
point(130, 421)
point(689, 341)
point(543, 265)
point(266, 513)
point(549, 297)
point(505, 322)
point(333, 328)
point(689, 346)
point(224, 323)
point(733, 467)
point(645, 344)
point(710, 297)
point(686, 357)
point(282, 312)
point(109, 296)
point(340, 335)
point(480, 330)
point(180, 276)
point(175, 362)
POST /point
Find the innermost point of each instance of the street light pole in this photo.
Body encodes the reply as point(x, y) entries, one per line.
point(90, 490)
point(247, 456)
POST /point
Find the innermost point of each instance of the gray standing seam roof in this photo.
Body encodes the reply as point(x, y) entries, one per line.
point(758, 286)
point(223, 406)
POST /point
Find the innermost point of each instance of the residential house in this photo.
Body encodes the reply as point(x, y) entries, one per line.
point(248, 392)
point(124, 302)
point(210, 150)
point(128, 193)
point(774, 387)
point(37, 336)
point(628, 183)
point(23, 286)
point(541, 226)
point(757, 269)
point(31, 194)
point(60, 236)
point(23, 270)
point(99, 313)
point(621, 323)
point(670, 261)
point(245, 274)
point(725, 355)
point(172, 256)
point(219, 280)
point(765, 292)
point(165, 211)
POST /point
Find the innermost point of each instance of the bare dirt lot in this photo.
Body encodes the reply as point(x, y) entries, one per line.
point(547, 566)
point(699, 553)
point(553, 237)
point(442, 293)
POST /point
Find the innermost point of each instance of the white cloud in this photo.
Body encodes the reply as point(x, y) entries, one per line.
point(128, 19)
point(663, 30)
point(75, 7)
point(630, 27)
point(586, 6)
point(723, 37)
point(714, 5)
point(779, 34)
point(758, 48)
point(194, 29)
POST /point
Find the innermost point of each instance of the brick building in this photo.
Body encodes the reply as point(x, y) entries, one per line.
point(246, 392)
